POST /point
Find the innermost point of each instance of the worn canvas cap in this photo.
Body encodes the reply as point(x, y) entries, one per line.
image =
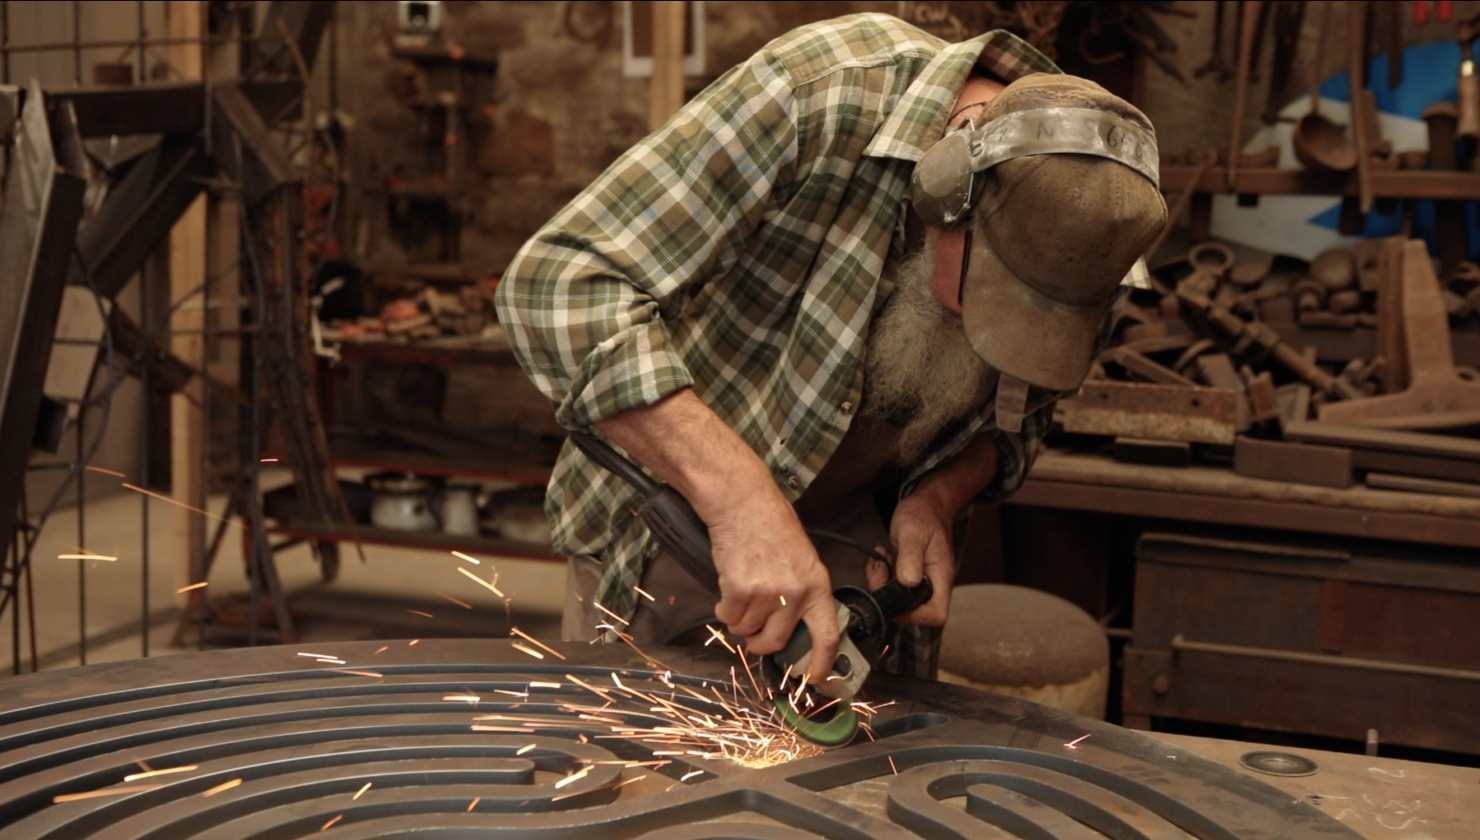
point(1052, 239)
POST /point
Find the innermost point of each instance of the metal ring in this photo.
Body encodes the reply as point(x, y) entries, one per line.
point(1212, 257)
point(1272, 763)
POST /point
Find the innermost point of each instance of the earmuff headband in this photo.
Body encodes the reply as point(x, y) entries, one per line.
point(943, 188)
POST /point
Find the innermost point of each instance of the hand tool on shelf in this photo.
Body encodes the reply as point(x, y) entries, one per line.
point(863, 616)
point(1248, 31)
point(1469, 91)
point(1357, 45)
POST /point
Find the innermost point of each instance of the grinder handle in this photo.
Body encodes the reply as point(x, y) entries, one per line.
point(896, 599)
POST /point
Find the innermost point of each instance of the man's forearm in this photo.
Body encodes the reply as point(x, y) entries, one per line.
point(956, 483)
point(692, 448)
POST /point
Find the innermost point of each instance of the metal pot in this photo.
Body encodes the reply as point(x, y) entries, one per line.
point(460, 509)
point(401, 501)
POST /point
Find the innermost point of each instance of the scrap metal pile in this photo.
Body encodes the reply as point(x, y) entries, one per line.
point(270, 743)
point(1309, 372)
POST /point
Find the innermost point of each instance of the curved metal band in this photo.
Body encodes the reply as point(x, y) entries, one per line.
point(1082, 131)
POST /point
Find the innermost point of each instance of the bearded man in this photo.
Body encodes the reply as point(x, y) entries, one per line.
point(804, 308)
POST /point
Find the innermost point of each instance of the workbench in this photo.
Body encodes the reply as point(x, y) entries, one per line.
point(1216, 495)
point(1273, 605)
point(1380, 798)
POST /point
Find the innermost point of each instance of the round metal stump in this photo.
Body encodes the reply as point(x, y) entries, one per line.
point(280, 746)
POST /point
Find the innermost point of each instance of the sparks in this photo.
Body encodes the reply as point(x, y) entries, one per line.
point(317, 655)
point(475, 561)
point(224, 786)
point(691, 774)
point(164, 498)
point(523, 635)
point(529, 650)
point(114, 473)
point(420, 613)
point(481, 582)
point(644, 593)
point(470, 699)
point(93, 794)
point(413, 643)
point(361, 792)
point(330, 824)
point(376, 674)
point(267, 460)
point(624, 621)
point(474, 803)
point(330, 661)
point(524, 749)
point(185, 589)
point(383, 649)
point(104, 557)
point(1074, 744)
point(579, 774)
point(544, 685)
point(893, 766)
point(464, 604)
point(152, 773)
point(783, 599)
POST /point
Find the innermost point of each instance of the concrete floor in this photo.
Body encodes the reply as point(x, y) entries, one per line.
point(370, 600)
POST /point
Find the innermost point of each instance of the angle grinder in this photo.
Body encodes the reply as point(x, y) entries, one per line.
point(863, 616)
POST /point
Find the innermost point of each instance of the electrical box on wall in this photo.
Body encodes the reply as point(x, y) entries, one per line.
point(418, 22)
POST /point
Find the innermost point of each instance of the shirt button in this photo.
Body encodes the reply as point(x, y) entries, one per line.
point(847, 407)
point(793, 482)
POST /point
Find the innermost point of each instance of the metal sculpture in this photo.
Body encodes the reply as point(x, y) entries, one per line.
point(270, 743)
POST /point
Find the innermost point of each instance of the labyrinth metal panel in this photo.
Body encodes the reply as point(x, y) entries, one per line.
point(270, 744)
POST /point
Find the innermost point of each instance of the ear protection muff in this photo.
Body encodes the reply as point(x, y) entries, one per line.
point(946, 183)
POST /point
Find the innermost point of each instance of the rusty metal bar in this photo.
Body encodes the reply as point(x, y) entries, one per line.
point(1181, 643)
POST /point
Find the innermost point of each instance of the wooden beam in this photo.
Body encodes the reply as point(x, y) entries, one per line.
point(666, 94)
point(187, 273)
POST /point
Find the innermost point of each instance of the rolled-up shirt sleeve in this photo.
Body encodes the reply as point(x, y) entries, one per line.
point(584, 301)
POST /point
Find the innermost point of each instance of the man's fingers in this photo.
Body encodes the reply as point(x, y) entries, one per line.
point(821, 619)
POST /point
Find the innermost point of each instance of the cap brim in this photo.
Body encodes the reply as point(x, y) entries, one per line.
point(1021, 332)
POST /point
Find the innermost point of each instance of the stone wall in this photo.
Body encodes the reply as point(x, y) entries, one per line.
point(562, 110)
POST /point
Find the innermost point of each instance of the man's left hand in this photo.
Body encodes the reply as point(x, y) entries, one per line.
point(921, 531)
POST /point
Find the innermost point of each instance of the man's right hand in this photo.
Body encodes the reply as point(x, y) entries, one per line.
point(770, 577)
point(769, 573)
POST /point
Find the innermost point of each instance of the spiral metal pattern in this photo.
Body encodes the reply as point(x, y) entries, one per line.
point(281, 747)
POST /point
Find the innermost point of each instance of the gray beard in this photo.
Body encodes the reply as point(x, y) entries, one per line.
point(921, 372)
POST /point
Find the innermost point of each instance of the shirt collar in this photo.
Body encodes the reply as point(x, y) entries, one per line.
point(919, 118)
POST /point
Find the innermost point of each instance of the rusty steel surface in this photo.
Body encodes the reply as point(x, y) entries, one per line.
point(1156, 412)
point(390, 752)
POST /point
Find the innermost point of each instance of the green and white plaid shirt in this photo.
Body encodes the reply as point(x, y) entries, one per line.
point(739, 251)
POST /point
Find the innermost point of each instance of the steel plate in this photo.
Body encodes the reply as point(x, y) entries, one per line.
point(385, 753)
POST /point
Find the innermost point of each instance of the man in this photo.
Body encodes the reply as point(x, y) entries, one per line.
point(742, 303)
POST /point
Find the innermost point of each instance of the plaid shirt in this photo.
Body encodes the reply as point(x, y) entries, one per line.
point(739, 251)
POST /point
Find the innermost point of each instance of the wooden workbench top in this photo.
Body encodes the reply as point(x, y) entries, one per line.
point(1380, 798)
point(1056, 465)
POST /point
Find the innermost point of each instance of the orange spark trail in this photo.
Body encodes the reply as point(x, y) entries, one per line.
point(185, 589)
point(523, 635)
point(113, 473)
point(152, 773)
point(164, 498)
point(222, 787)
point(481, 582)
point(93, 794)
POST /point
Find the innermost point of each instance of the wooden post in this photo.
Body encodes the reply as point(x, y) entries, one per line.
point(666, 95)
point(187, 273)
